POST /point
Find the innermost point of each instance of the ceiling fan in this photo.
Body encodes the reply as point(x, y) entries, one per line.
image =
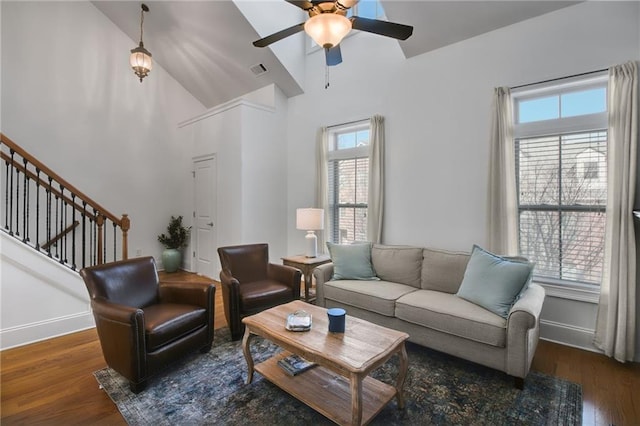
point(328, 25)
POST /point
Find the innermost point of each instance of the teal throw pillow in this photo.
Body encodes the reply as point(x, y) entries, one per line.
point(494, 282)
point(352, 261)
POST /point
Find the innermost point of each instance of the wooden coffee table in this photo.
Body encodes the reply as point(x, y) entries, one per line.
point(339, 387)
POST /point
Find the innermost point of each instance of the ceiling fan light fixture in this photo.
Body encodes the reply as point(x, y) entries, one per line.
point(140, 59)
point(327, 29)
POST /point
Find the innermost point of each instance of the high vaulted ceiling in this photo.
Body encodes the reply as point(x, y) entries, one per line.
point(206, 45)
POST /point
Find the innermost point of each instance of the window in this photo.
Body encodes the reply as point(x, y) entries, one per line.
point(561, 171)
point(348, 175)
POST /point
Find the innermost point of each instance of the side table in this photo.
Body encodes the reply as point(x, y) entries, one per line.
point(306, 265)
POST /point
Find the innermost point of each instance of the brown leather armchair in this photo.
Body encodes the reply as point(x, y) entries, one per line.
point(251, 284)
point(144, 325)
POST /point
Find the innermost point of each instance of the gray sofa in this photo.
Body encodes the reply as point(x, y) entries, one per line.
point(416, 293)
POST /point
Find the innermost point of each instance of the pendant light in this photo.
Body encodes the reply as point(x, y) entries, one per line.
point(140, 59)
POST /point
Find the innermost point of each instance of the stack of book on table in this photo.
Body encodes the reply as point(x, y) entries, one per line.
point(295, 364)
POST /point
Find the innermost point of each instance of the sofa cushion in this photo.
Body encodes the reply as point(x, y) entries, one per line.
point(351, 261)
point(494, 282)
point(398, 264)
point(375, 296)
point(443, 270)
point(452, 315)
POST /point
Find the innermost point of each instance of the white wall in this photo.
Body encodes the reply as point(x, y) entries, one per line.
point(247, 135)
point(39, 299)
point(70, 98)
point(437, 110)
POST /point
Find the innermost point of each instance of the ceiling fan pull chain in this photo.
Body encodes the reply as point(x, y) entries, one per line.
point(326, 77)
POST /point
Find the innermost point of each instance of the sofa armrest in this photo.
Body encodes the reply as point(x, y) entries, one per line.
point(523, 330)
point(322, 274)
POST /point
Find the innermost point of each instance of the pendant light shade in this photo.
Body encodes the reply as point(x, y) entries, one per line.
point(327, 29)
point(140, 59)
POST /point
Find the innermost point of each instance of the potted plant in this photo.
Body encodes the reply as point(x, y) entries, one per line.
point(176, 238)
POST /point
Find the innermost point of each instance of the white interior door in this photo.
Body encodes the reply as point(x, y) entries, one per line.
point(205, 178)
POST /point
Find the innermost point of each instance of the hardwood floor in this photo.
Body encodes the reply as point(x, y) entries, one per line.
point(51, 382)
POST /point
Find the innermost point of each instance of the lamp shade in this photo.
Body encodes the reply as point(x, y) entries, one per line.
point(327, 29)
point(309, 219)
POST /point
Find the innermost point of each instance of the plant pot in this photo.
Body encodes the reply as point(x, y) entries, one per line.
point(171, 260)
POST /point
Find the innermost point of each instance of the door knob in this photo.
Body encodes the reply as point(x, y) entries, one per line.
point(210, 223)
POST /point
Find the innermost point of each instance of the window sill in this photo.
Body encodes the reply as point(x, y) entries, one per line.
point(581, 293)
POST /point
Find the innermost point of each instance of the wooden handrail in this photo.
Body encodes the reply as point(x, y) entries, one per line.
point(43, 183)
point(52, 241)
point(99, 213)
point(31, 159)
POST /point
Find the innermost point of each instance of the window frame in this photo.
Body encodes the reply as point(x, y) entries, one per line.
point(562, 126)
point(335, 155)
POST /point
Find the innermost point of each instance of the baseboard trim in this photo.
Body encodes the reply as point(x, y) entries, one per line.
point(568, 335)
point(44, 330)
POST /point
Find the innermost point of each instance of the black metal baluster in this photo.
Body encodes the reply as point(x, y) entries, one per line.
point(49, 216)
point(25, 204)
point(6, 196)
point(55, 224)
point(37, 208)
point(73, 232)
point(84, 233)
point(11, 193)
point(114, 241)
point(104, 242)
point(62, 239)
point(95, 232)
point(17, 202)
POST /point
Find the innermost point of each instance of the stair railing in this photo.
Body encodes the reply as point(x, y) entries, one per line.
point(38, 204)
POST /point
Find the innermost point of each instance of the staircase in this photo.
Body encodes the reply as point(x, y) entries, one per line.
point(48, 214)
point(50, 231)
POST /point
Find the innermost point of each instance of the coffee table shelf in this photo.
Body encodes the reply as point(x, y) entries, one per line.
point(327, 392)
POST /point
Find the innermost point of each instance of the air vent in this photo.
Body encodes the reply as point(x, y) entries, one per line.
point(259, 69)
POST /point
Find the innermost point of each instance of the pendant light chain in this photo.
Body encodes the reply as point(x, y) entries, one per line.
point(141, 22)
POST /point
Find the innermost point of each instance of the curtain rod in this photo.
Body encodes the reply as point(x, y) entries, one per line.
point(559, 78)
point(347, 123)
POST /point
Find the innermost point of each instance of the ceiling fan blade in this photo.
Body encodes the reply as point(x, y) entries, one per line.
point(346, 4)
point(263, 42)
point(302, 4)
point(389, 29)
point(333, 56)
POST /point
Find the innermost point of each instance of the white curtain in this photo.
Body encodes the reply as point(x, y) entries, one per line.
point(616, 320)
point(376, 180)
point(322, 188)
point(502, 214)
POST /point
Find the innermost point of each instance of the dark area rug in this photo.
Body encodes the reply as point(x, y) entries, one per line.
point(439, 390)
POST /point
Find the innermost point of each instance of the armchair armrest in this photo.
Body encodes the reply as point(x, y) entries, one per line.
point(188, 293)
point(286, 275)
point(114, 311)
point(322, 274)
point(121, 332)
point(231, 296)
point(523, 330)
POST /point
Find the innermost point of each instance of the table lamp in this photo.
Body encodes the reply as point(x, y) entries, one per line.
point(310, 220)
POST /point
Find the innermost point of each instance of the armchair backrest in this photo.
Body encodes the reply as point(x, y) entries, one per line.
point(132, 282)
point(246, 263)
